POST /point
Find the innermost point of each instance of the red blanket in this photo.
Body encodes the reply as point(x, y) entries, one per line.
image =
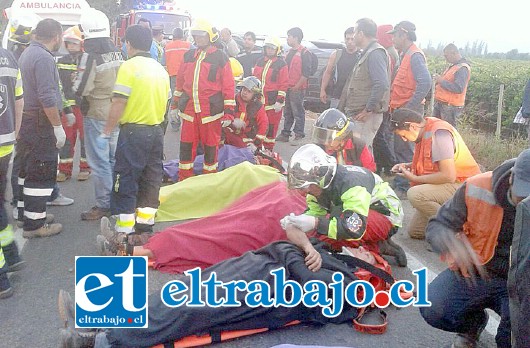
point(250, 223)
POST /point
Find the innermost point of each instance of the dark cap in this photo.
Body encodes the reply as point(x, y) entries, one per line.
point(521, 175)
point(157, 29)
point(402, 116)
point(406, 27)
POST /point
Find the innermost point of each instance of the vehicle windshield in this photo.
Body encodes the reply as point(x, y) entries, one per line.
point(168, 21)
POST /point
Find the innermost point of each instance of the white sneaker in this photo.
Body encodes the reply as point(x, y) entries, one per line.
point(61, 201)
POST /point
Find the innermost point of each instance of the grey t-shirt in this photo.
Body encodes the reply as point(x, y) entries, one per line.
point(443, 146)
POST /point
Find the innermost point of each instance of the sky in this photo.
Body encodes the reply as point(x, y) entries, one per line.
point(502, 24)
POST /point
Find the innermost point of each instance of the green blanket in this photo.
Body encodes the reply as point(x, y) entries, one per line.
point(207, 194)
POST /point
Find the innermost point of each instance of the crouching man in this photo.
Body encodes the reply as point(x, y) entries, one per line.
point(483, 208)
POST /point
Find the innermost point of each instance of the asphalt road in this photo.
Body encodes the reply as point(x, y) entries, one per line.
point(30, 317)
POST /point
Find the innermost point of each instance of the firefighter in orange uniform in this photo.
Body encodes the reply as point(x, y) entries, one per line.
point(250, 121)
point(273, 73)
point(205, 96)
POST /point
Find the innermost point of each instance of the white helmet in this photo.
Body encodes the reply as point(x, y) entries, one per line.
point(94, 24)
point(311, 165)
point(21, 27)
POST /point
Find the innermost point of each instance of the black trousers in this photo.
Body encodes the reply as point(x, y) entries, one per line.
point(4, 167)
point(138, 171)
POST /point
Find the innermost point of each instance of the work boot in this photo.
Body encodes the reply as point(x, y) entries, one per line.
point(298, 140)
point(83, 175)
point(282, 138)
point(110, 242)
point(61, 201)
point(5, 286)
point(49, 219)
point(95, 213)
point(45, 231)
point(388, 247)
point(73, 338)
point(62, 176)
point(470, 339)
point(13, 260)
point(66, 306)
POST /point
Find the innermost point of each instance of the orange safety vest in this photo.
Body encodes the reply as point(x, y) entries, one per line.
point(484, 216)
point(404, 85)
point(445, 96)
point(175, 55)
point(422, 163)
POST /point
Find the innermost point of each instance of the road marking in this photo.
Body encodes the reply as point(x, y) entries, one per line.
point(413, 264)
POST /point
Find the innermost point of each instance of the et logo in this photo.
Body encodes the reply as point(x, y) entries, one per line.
point(111, 292)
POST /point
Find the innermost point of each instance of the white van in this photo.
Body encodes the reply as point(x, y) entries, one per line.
point(66, 12)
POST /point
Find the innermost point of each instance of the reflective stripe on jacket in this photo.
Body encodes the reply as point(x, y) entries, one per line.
point(274, 76)
point(205, 84)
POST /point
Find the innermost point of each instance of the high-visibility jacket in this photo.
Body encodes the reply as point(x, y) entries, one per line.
point(256, 120)
point(175, 55)
point(445, 96)
point(205, 85)
point(274, 76)
point(404, 85)
point(484, 216)
point(422, 162)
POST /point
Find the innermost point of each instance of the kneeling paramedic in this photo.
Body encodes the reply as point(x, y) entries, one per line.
point(346, 205)
point(141, 94)
point(333, 131)
point(250, 120)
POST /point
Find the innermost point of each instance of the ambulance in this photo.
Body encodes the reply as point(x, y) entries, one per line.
point(66, 12)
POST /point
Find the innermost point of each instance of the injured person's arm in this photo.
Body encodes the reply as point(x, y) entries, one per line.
point(313, 260)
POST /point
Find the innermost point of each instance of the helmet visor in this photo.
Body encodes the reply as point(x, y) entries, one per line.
point(301, 175)
point(323, 136)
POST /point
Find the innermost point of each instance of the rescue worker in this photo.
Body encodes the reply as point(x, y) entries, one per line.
point(204, 94)
point(138, 171)
point(175, 50)
point(473, 234)
point(451, 87)
point(11, 111)
point(94, 85)
point(72, 119)
point(441, 163)
point(20, 37)
point(362, 208)
point(20, 32)
point(37, 156)
point(273, 73)
point(334, 132)
point(250, 122)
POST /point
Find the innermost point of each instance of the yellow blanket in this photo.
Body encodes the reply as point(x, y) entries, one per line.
point(207, 194)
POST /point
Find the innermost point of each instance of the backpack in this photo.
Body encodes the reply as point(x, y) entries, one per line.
point(313, 61)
